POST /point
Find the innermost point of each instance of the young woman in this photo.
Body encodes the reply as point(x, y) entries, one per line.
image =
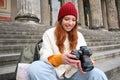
point(56, 61)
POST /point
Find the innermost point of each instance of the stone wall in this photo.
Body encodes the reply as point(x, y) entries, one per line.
point(103, 14)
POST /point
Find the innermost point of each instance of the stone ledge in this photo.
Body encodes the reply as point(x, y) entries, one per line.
point(109, 66)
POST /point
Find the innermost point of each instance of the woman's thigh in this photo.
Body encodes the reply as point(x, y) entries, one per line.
point(95, 74)
point(40, 70)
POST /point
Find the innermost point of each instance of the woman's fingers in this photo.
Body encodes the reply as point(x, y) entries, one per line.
point(80, 67)
point(68, 58)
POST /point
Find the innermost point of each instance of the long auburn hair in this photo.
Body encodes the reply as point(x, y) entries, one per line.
point(60, 34)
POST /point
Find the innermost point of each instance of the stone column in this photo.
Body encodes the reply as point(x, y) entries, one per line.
point(112, 15)
point(105, 22)
point(95, 14)
point(45, 12)
point(28, 10)
point(118, 8)
point(81, 13)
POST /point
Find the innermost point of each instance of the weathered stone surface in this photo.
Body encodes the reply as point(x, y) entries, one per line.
point(105, 45)
point(96, 14)
point(112, 15)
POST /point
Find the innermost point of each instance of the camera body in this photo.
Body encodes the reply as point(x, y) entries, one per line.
point(83, 54)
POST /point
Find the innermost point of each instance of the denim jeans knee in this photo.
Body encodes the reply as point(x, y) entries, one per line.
point(40, 70)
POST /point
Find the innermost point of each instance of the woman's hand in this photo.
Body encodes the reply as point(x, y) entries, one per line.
point(80, 67)
point(69, 58)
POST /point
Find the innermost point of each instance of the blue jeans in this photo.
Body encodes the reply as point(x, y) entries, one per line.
point(40, 70)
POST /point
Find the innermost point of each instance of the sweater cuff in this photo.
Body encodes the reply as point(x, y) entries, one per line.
point(56, 59)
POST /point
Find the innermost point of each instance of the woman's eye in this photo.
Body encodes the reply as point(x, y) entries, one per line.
point(74, 20)
point(66, 19)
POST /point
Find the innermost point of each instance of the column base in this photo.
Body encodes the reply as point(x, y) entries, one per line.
point(113, 29)
point(27, 17)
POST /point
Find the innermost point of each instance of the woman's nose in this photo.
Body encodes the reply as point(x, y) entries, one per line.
point(70, 22)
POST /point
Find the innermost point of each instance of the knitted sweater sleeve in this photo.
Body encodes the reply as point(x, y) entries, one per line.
point(56, 59)
point(49, 51)
point(46, 49)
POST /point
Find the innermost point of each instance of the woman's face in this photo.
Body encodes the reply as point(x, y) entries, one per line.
point(68, 22)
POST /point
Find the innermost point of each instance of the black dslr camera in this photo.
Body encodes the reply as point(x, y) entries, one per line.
point(83, 54)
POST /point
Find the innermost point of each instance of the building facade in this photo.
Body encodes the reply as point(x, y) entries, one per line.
point(93, 14)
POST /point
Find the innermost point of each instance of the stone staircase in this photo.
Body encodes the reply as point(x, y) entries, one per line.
point(106, 49)
point(14, 36)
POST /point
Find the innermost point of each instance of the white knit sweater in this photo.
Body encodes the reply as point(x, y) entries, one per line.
point(49, 48)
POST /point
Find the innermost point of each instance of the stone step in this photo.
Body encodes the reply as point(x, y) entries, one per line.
point(96, 39)
point(35, 39)
point(104, 47)
point(106, 54)
point(88, 32)
point(22, 27)
point(9, 58)
point(101, 34)
point(18, 41)
point(20, 36)
point(11, 47)
point(115, 75)
point(97, 43)
point(101, 37)
point(21, 32)
point(10, 51)
point(109, 66)
point(7, 72)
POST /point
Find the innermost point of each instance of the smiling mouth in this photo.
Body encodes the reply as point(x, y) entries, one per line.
point(68, 27)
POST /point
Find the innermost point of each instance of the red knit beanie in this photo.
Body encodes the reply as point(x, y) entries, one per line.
point(67, 9)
